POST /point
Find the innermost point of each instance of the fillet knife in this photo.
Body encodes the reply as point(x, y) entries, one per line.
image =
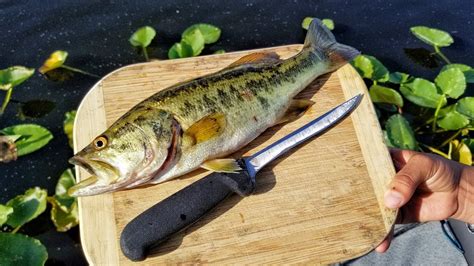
point(155, 225)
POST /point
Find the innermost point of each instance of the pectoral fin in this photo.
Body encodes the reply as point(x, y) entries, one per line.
point(297, 108)
point(222, 165)
point(206, 128)
point(255, 58)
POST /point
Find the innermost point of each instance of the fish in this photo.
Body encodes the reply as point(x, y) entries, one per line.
point(198, 123)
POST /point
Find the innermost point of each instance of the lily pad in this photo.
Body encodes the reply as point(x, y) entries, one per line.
point(14, 76)
point(220, 51)
point(34, 137)
point(329, 23)
point(180, 50)
point(432, 36)
point(465, 106)
point(371, 68)
point(453, 121)
point(451, 82)
point(18, 249)
point(63, 220)
point(398, 78)
point(68, 125)
point(381, 94)
point(142, 37)
point(66, 180)
point(196, 40)
point(467, 71)
point(210, 33)
point(4, 212)
point(461, 152)
point(26, 207)
point(400, 133)
point(422, 92)
point(55, 60)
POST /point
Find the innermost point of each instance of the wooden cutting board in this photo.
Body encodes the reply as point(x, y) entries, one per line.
point(320, 203)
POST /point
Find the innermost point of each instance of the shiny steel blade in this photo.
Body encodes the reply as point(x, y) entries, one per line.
point(257, 161)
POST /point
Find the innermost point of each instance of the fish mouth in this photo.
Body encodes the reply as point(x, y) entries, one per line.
point(99, 180)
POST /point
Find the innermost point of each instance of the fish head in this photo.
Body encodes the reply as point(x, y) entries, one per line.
point(133, 150)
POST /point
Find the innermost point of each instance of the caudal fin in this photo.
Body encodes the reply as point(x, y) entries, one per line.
point(320, 39)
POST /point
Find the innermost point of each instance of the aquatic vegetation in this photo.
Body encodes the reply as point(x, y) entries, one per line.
point(193, 40)
point(10, 78)
point(329, 23)
point(439, 111)
point(56, 62)
point(142, 38)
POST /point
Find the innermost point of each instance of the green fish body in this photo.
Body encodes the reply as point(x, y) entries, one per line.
point(199, 122)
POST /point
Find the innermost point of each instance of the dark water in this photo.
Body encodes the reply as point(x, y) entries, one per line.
point(95, 33)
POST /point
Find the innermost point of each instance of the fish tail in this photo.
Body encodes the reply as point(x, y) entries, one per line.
point(321, 40)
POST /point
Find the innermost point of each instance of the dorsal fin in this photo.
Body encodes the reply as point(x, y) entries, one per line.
point(255, 58)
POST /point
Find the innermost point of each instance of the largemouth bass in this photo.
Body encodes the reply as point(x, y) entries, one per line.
point(199, 122)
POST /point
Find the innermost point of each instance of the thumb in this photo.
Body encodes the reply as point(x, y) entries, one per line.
point(416, 170)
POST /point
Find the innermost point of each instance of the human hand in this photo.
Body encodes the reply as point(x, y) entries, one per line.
point(428, 187)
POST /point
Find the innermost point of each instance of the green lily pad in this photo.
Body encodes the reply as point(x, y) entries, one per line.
point(18, 249)
point(68, 126)
point(451, 82)
point(465, 106)
point(4, 212)
point(398, 77)
point(142, 37)
point(400, 133)
point(14, 76)
point(371, 68)
point(33, 138)
point(180, 50)
point(66, 180)
point(432, 36)
point(422, 92)
point(63, 220)
point(467, 71)
point(209, 32)
point(196, 40)
point(453, 121)
point(381, 94)
point(26, 207)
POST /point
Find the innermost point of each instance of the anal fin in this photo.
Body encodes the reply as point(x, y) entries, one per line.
point(222, 165)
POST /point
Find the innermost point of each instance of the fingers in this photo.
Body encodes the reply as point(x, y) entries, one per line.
point(417, 168)
point(382, 247)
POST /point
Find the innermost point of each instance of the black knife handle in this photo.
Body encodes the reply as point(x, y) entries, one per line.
point(180, 210)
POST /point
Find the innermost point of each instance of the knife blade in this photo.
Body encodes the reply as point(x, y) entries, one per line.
point(173, 214)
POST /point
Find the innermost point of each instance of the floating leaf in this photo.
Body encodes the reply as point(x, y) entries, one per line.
point(55, 60)
point(432, 36)
point(329, 23)
point(461, 152)
point(422, 56)
point(209, 32)
point(388, 142)
point(453, 121)
point(196, 40)
point(400, 133)
point(380, 94)
point(36, 108)
point(13, 76)
point(33, 137)
point(398, 77)
point(465, 106)
point(8, 150)
point(26, 207)
point(180, 50)
point(63, 220)
point(142, 37)
point(68, 125)
point(66, 180)
point(18, 249)
point(371, 68)
point(4, 212)
point(422, 92)
point(467, 71)
point(221, 51)
point(451, 82)
point(445, 110)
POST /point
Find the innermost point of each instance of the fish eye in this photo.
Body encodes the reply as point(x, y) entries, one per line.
point(100, 142)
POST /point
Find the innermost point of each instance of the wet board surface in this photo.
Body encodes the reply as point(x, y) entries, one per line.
point(320, 203)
